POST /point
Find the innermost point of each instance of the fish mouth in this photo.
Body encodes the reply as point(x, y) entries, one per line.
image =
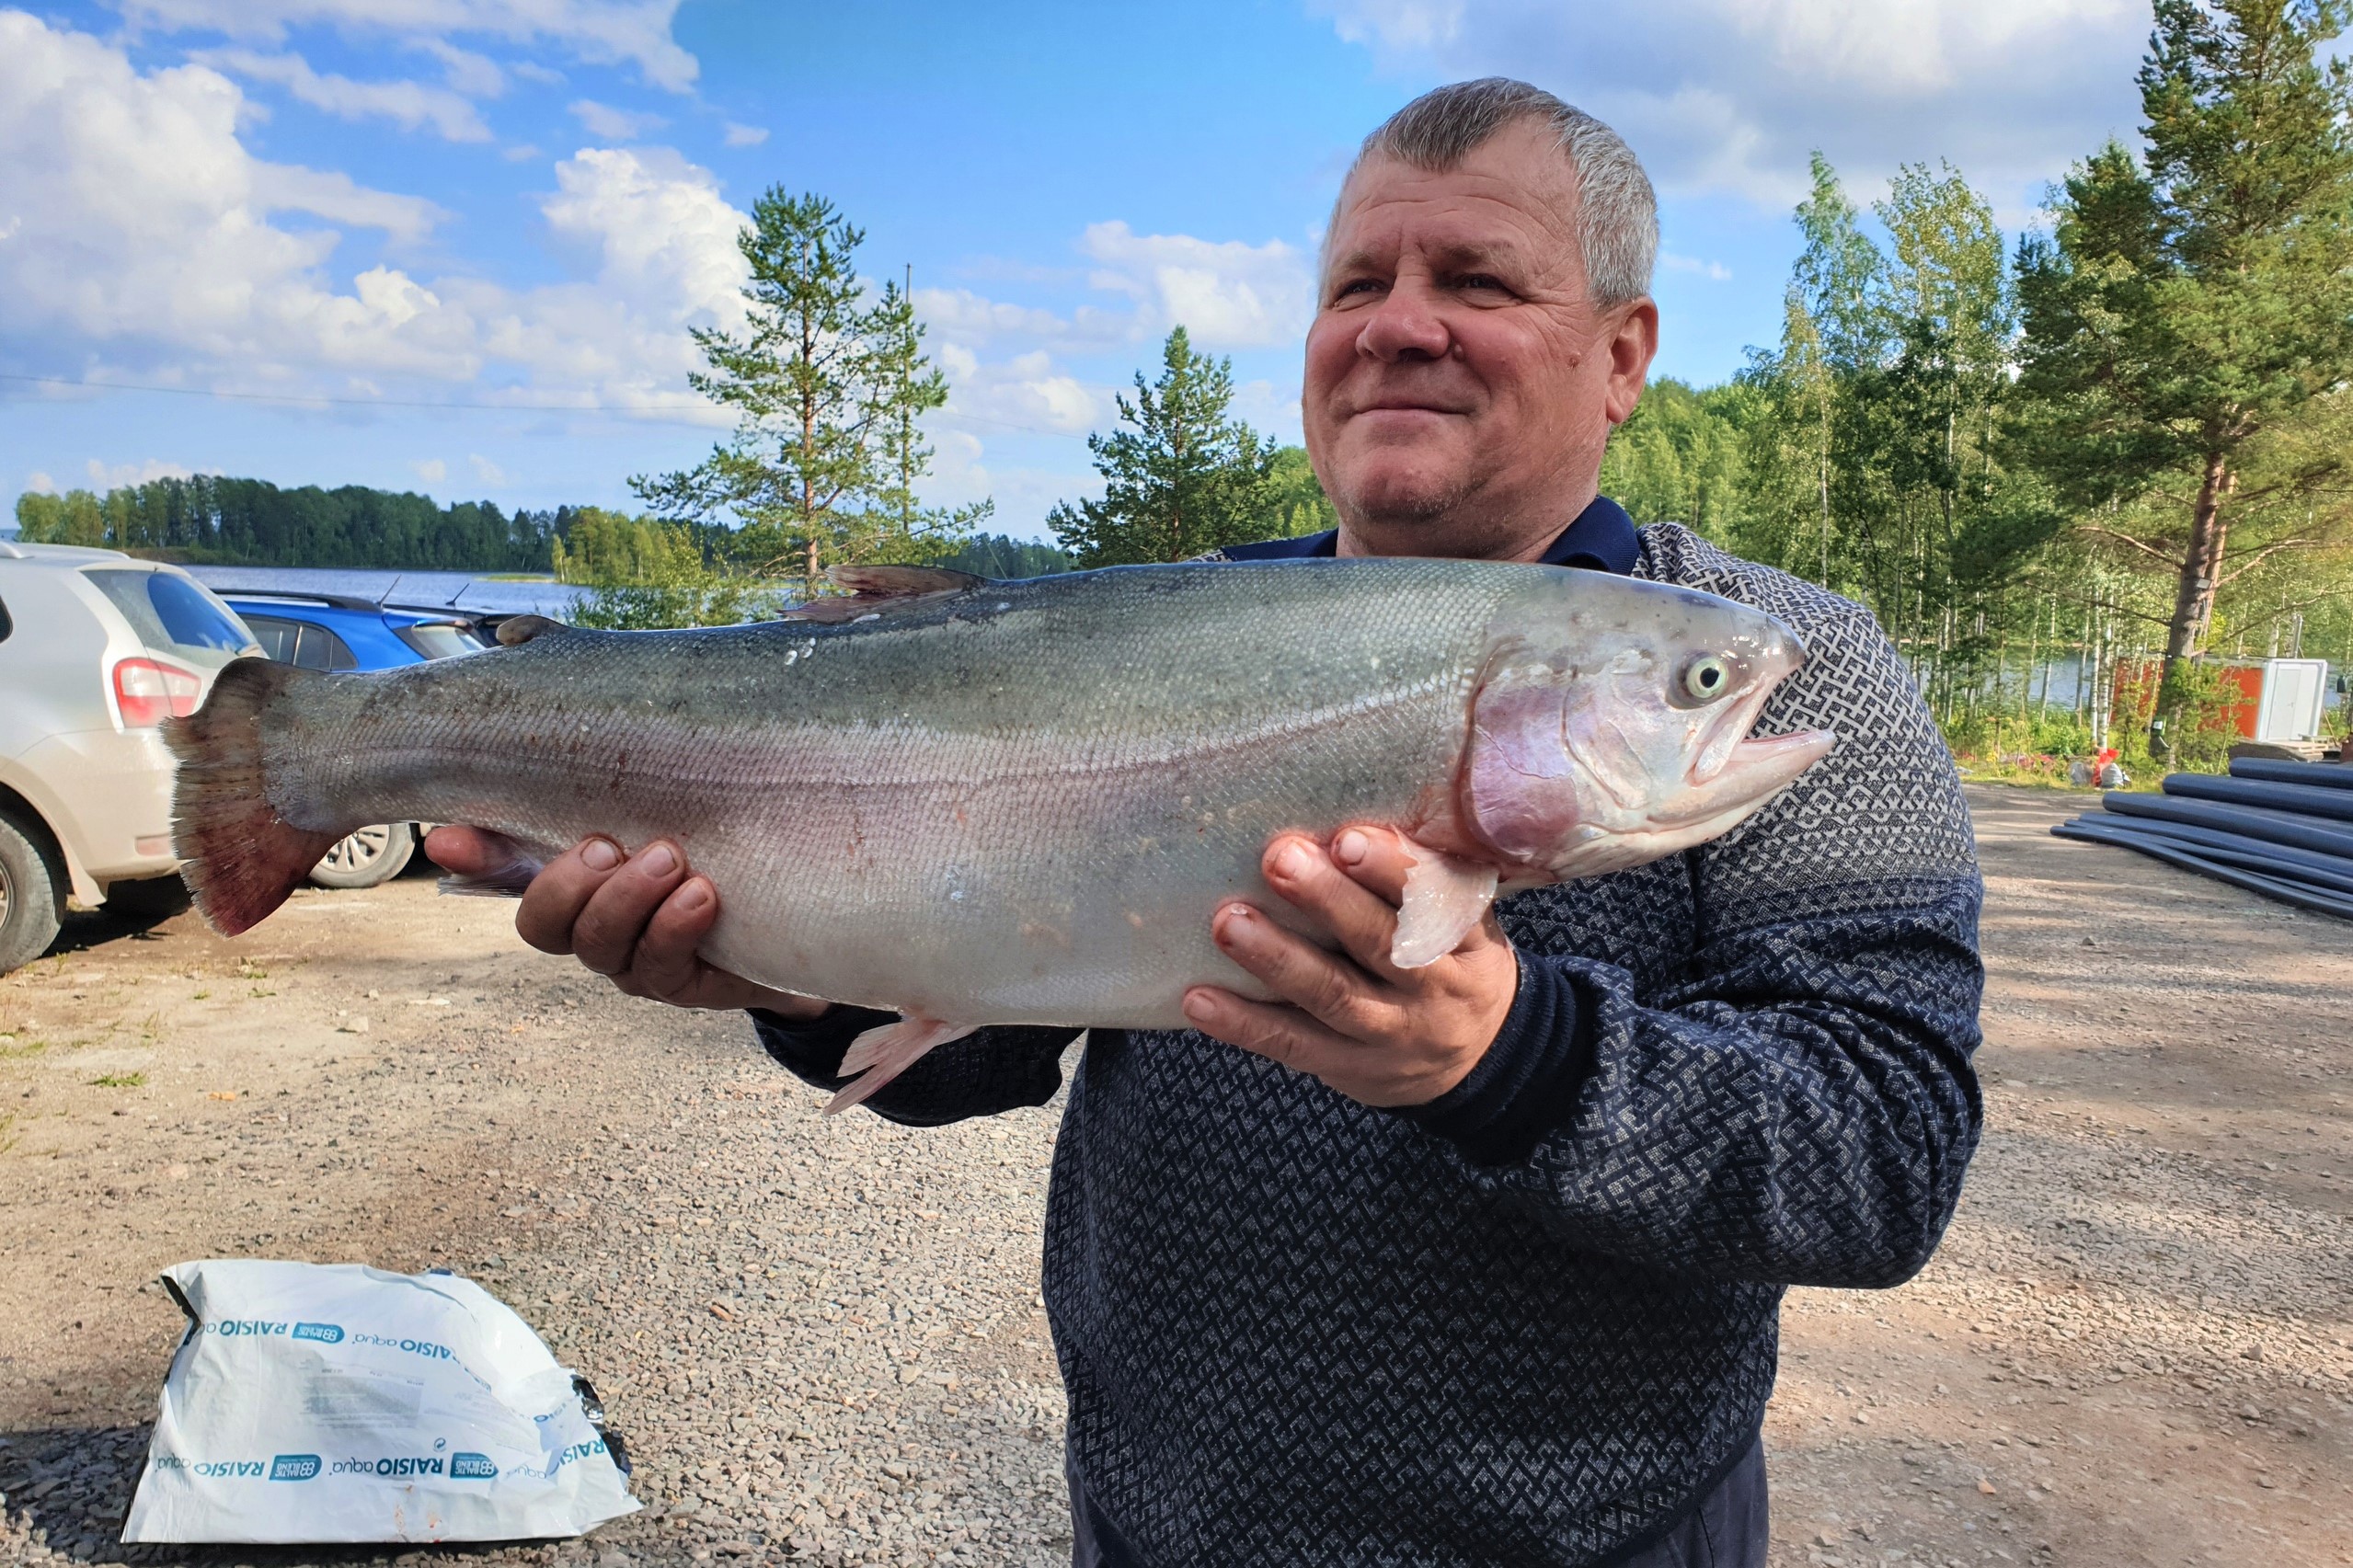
point(1730, 766)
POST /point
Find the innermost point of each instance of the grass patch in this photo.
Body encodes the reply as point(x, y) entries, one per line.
point(12, 1047)
point(119, 1081)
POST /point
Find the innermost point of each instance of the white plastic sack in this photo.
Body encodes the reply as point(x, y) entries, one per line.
point(314, 1403)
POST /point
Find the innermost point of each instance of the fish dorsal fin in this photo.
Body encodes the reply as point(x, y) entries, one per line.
point(875, 591)
point(517, 630)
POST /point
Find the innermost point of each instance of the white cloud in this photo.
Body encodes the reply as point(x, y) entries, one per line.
point(1225, 293)
point(745, 135)
point(1028, 393)
point(1732, 95)
point(37, 480)
point(144, 239)
point(487, 472)
point(112, 475)
point(408, 104)
point(1714, 271)
point(475, 76)
point(431, 470)
point(140, 216)
point(598, 32)
point(960, 315)
point(612, 124)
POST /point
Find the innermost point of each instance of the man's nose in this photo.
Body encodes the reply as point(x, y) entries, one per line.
point(1406, 326)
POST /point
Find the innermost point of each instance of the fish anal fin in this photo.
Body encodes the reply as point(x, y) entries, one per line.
point(880, 1055)
point(508, 879)
point(1444, 899)
point(875, 590)
point(517, 630)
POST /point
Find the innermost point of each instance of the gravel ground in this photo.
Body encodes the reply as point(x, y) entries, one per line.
point(823, 1339)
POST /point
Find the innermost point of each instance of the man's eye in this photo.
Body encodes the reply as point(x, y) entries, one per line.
point(1357, 286)
point(1481, 280)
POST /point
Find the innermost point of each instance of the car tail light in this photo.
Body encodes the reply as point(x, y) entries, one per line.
point(147, 691)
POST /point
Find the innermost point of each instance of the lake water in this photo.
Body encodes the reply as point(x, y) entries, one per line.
point(406, 590)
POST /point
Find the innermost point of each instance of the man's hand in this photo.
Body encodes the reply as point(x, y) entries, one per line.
point(1379, 1034)
point(634, 920)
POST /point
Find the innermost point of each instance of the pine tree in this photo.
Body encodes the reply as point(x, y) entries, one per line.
point(2196, 298)
point(827, 381)
point(1181, 479)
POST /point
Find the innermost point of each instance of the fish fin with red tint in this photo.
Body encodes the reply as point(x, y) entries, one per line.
point(875, 590)
point(517, 630)
point(882, 1054)
point(240, 859)
point(1444, 899)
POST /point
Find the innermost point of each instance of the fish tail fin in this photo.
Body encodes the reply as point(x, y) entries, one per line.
point(239, 860)
point(882, 1054)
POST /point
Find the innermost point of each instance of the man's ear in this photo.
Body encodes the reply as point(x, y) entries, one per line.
point(1633, 342)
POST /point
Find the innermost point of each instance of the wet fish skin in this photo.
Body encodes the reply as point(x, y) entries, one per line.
point(1020, 802)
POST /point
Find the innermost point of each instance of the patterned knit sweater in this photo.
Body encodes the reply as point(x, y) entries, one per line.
point(1532, 1323)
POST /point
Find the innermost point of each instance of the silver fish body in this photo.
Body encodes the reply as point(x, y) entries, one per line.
point(1022, 802)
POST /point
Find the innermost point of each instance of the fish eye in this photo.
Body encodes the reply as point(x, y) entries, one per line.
point(1706, 678)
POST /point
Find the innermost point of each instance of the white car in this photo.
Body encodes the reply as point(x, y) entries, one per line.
point(96, 649)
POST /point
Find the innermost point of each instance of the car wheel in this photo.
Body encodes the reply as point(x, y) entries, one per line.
point(367, 857)
point(29, 904)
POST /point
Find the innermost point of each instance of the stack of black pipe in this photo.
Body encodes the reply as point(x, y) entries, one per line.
point(2284, 830)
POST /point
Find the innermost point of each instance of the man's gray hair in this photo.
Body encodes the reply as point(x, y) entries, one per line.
point(1617, 216)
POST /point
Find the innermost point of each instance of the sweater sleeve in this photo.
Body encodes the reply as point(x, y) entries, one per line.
point(991, 1071)
point(1792, 1102)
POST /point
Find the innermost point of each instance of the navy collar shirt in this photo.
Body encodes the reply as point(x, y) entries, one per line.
point(1601, 539)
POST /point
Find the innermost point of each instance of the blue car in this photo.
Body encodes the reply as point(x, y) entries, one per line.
point(317, 631)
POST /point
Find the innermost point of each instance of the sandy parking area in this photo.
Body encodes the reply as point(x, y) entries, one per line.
point(2136, 1346)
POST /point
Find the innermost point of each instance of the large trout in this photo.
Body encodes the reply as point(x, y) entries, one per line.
point(975, 802)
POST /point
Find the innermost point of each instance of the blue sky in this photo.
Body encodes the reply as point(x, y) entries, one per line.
point(456, 246)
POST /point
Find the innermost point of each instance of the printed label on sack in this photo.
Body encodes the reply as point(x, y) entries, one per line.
point(211, 1469)
point(391, 1467)
point(294, 1467)
point(262, 1328)
point(472, 1467)
point(577, 1452)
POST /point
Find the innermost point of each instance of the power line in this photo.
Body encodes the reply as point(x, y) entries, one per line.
point(639, 413)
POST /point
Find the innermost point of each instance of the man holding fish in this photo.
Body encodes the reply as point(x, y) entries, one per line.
point(1473, 1251)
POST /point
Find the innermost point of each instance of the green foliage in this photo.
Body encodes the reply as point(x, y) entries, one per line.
point(2195, 298)
point(1182, 477)
point(251, 522)
point(1681, 458)
point(1294, 504)
point(645, 574)
point(827, 381)
point(995, 556)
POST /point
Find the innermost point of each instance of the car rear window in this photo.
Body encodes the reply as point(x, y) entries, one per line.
point(439, 639)
point(300, 643)
point(171, 614)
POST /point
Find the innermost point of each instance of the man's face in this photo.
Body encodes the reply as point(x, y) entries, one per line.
point(1460, 384)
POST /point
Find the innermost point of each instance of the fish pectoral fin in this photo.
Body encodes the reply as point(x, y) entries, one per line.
point(517, 630)
point(506, 880)
point(880, 1055)
point(1444, 899)
point(875, 590)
